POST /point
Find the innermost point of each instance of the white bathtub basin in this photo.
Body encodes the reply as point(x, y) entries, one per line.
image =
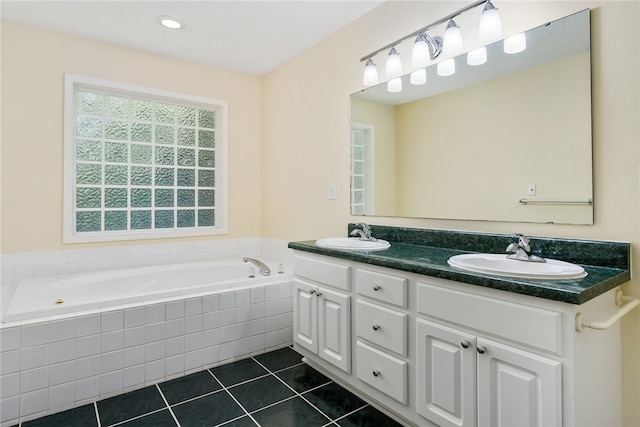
point(353, 244)
point(500, 265)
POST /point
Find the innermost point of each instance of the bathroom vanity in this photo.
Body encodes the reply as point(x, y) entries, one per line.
point(433, 345)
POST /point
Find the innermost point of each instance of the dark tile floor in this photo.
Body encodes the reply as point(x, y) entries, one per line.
point(272, 389)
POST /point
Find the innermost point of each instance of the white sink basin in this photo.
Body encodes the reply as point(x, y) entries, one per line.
point(500, 265)
point(353, 244)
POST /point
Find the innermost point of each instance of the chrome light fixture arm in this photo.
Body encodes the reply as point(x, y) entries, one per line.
point(424, 29)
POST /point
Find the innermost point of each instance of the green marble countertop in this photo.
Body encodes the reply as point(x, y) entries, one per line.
point(432, 261)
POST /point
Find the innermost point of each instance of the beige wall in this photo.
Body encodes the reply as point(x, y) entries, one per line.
point(487, 151)
point(306, 134)
point(33, 65)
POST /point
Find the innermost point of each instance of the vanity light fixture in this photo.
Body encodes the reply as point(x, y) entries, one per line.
point(490, 27)
point(420, 56)
point(452, 43)
point(427, 48)
point(394, 64)
point(418, 77)
point(170, 22)
point(370, 76)
point(477, 56)
point(515, 44)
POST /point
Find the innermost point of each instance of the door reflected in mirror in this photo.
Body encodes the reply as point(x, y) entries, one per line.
point(506, 140)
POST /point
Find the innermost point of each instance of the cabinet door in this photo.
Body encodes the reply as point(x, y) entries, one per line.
point(305, 315)
point(334, 328)
point(446, 370)
point(517, 388)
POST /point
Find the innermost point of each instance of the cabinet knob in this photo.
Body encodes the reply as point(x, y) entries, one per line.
point(481, 349)
point(318, 293)
point(376, 287)
point(376, 327)
point(465, 344)
point(376, 373)
point(312, 291)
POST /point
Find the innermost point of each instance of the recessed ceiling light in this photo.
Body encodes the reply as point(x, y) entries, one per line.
point(170, 22)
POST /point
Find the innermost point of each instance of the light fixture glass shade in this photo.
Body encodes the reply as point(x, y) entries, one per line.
point(452, 40)
point(515, 44)
point(394, 64)
point(370, 76)
point(447, 67)
point(394, 85)
point(477, 56)
point(490, 24)
point(418, 77)
point(420, 56)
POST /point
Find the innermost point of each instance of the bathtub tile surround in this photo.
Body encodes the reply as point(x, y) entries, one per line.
point(273, 388)
point(19, 266)
point(426, 251)
point(56, 363)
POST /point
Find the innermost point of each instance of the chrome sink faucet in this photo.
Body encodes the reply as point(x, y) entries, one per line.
point(521, 251)
point(364, 232)
point(262, 267)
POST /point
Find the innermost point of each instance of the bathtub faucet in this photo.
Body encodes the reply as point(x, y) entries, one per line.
point(264, 270)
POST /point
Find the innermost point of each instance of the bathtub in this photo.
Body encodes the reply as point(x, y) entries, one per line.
point(74, 339)
point(60, 295)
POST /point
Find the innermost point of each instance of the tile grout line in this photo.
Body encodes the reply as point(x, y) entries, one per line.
point(95, 409)
point(233, 397)
point(164, 399)
point(291, 388)
point(352, 412)
point(136, 417)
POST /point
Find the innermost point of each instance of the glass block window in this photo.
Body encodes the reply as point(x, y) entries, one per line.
point(361, 163)
point(142, 163)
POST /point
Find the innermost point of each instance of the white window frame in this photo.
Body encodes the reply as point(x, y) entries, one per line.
point(72, 82)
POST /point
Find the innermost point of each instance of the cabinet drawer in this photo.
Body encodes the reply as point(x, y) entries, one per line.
point(382, 287)
point(328, 273)
point(382, 371)
point(532, 326)
point(381, 326)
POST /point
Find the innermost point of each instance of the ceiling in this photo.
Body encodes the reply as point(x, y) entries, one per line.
point(253, 37)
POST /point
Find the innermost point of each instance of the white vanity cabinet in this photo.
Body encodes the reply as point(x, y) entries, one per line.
point(381, 325)
point(459, 372)
point(436, 352)
point(322, 316)
point(460, 369)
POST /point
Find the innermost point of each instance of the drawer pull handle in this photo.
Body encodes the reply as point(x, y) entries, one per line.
point(376, 327)
point(376, 373)
point(481, 349)
point(376, 287)
point(465, 344)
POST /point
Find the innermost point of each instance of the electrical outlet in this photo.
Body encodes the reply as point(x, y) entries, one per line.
point(531, 189)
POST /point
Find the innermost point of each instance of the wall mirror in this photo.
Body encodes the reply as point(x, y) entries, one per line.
point(508, 140)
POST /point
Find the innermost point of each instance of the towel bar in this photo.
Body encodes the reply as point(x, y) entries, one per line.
point(626, 304)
